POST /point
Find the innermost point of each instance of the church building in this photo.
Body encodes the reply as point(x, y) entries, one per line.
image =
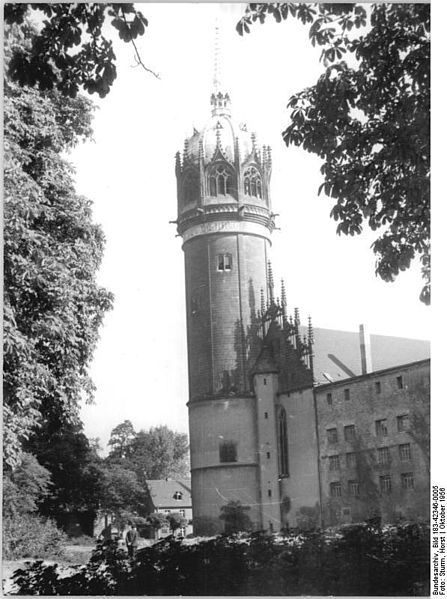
point(290, 421)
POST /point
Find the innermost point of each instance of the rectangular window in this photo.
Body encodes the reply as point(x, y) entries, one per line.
point(266, 415)
point(334, 462)
point(378, 387)
point(403, 423)
point(381, 428)
point(167, 511)
point(335, 489)
point(351, 460)
point(182, 513)
point(385, 484)
point(354, 488)
point(383, 455)
point(265, 381)
point(405, 452)
point(350, 432)
point(224, 262)
point(269, 492)
point(228, 452)
point(268, 455)
point(407, 480)
point(400, 383)
point(347, 395)
point(332, 435)
point(329, 399)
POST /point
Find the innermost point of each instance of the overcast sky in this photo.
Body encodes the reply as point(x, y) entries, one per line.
point(140, 366)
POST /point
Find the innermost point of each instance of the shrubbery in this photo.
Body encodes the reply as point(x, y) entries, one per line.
point(29, 535)
point(354, 560)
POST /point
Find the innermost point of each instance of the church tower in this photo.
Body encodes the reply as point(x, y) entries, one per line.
point(225, 219)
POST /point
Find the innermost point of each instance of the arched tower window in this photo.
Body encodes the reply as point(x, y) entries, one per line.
point(220, 181)
point(191, 186)
point(252, 183)
point(283, 446)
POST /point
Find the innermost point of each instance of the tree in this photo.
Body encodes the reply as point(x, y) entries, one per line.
point(368, 119)
point(176, 521)
point(157, 520)
point(120, 438)
point(53, 307)
point(122, 493)
point(159, 453)
point(153, 454)
point(75, 471)
point(235, 517)
point(70, 50)
point(25, 487)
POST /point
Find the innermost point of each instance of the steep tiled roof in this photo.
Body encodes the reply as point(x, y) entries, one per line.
point(265, 362)
point(162, 492)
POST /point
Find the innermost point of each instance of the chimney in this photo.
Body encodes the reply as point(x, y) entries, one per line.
point(365, 349)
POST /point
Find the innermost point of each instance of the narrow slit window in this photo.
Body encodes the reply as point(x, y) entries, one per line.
point(283, 444)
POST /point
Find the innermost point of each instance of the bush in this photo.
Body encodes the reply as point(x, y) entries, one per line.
point(29, 535)
point(352, 560)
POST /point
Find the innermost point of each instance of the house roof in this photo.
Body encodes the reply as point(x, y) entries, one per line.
point(337, 353)
point(162, 492)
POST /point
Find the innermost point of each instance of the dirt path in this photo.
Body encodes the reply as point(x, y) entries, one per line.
point(75, 555)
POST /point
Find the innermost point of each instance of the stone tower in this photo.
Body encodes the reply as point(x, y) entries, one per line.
point(225, 220)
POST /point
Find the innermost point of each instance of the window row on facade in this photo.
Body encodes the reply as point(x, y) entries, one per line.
point(381, 456)
point(385, 484)
point(381, 428)
point(221, 181)
point(377, 387)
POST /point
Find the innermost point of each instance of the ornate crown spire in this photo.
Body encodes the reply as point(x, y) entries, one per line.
point(220, 101)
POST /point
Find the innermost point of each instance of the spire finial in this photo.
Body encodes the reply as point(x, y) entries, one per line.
point(262, 302)
point(283, 297)
point(310, 331)
point(271, 285)
point(217, 72)
point(220, 100)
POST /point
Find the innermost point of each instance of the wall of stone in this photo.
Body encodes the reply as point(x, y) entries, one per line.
point(215, 483)
point(301, 487)
point(386, 451)
point(220, 305)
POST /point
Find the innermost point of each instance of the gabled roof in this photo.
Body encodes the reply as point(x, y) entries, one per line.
point(162, 492)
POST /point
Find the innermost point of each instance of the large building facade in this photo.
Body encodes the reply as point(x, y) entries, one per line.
point(259, 418)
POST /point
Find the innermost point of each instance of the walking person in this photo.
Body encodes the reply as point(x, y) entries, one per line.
point(132, 540)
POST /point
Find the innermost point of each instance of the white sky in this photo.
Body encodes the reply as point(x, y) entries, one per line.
point(140, 366)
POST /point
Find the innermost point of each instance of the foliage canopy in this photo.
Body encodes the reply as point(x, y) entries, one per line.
point(70, 50)
point(358, 560)
point(368, 119)
point(53, 307)
point(154, 454)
